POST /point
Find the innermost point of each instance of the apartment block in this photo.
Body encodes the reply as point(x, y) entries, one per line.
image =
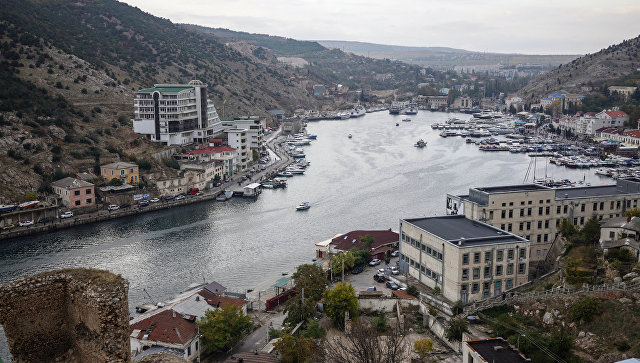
point(467, 259)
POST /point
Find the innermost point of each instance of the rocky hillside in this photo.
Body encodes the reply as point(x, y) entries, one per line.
point(587, 71)
point(67, 87)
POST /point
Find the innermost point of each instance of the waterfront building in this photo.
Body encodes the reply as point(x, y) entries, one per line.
point(384, 242)
point(534, 211)
point(616, 118)
point(74, 193)
point(437, 102)
point(463, 103)
point(494, 350)
point(237, 139)
point(176, 114)
point(214, 152)
point(467, 259)
point(127, 173)
point(254, 126)
point(625, 137)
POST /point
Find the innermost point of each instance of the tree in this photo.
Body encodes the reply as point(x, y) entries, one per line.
point(363, 345)
point(585, 309)
point(298, 310)
point(295, 349)
point(567, 229)
point(367, 241)
point(635, 212)
point(312, 279)
point(423, 347)
point(115, 182)
point(222, 328)
point(336, 262)
point(361, 257)
point(339, 300)
point(591, 231)
point(455, 329)
point(30, 196)
point(413, 291)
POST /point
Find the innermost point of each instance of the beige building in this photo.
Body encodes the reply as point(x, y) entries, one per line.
point(468, 260)
point(127, 173)
point(534, 211)
point(623, 90)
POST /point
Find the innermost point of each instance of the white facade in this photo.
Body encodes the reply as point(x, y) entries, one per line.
point(176, 114)
point(237, 139)
point(254, 127)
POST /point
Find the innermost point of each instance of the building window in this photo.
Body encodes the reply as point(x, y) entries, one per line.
point(499, 270)
point(502, 226)
point(539, 211)
point(528, 226)
point(581, 220)
point(595, 206)
point(76, 192)
point(510, 213)
point(465, 274)
point(558, 210)
point(476, 273)
point(522, 268)
point(88, 191)
point(612, 234)
point(545, 237)
point(475, 287)
point(465, 259)
point(539, 224)
point(601, 205)
point(538, 238)
point(528, 211)
point(510, 254)
point(522, 212)
point(487, 272)
point(499, 255)
point(476, 257)
point(503, 214)
point(547, 210)
point(509, 227)
point(565, 209)
point(510, 269)
point(582, 207)
point(77, 202)
point(487, 257)
point(521, 226)
point(546, 224)
point(88, 200)
point(509, 284)
point(523, 253)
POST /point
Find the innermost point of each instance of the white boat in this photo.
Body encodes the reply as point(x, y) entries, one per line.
point(421, 143)
point(32, 203)
point(285, 174)
point(303, 206)
point(358, 111)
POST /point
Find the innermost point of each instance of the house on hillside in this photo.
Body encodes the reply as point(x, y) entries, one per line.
point(127, 173)
point(74, 193)
point(616, 118)
point(622, 90)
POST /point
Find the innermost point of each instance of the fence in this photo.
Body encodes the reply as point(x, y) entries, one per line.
point(512, 297)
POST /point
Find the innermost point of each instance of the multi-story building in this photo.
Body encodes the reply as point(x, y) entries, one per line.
point(623, 90)
point(254, 127)
point(176, 114)
point(237, 139)
point(214, 152)
point(467, 259)
point(127, 173)
point(437, 102)
point(74, 193)
point(534, 211)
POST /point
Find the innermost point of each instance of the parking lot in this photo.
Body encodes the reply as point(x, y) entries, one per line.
point(363, 280)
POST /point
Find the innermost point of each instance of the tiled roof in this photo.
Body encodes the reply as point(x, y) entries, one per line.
point(71, 183)
point(220, 301)
point(166, 326)
point(615, 114)
point(611, 130)
point(118, 165)
point(350, 240)
point(632, 133)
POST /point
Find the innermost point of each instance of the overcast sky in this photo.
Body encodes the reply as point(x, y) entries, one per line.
point(522, 26)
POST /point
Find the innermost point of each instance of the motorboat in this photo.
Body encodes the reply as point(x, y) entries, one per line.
point(397, 124)
point(406, 119)
point(420, 143)
point(303, 206)
point(358, 111)
point(285, 174)
point(7, 208)
point(350, 136)
point(29, 204)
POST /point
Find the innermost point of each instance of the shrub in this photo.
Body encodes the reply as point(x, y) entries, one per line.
point(585, 309)
point(622, 346)
point(171, 163)
point(436, 290)
point(413, 291)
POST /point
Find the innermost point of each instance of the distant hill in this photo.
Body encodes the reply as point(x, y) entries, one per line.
point(442, 56)
point(581, 74)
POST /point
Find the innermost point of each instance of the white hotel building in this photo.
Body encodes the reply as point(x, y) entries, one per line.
point(176, 114)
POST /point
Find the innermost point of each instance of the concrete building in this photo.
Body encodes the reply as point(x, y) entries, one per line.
point(587, 125)
point(623, 90)
point(467, 259)
point(463, 103)
point(627, 137)
point(74, 193)
point(616, 118)
point(437, 102)
point(127, 173)
point(534, 211)
point(493, 350)
point(254, 126)
point(176, 114)
point(237, 139)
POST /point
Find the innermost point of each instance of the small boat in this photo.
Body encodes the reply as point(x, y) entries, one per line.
point(7, 208)
point(303, 206)
point(312, 137)
point(397, 124)
point(406, 119)
point(350, 136)
point(29, 204)
point(421, 143)
point(469, 141)
point(285, 174)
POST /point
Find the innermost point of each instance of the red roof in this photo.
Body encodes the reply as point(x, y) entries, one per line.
point(220, 301)
point(615, 114)
point(610, 130)
point(211, 150)
point(166, 326)
point(350, 240)
point(633, 133)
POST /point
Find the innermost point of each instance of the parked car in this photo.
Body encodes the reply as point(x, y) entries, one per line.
point(394, 270)
point(218, 184)
point(143, 203)
point(392, 285)
point(372, 288)
point(382, 271)
point(357, 270)
point(67, 214)
point(374, 262)
point(193, 191)
point(154, 200)
point(113, 207)
point(25, 223)
point(395, 253)
point(169, 197)
point(199, 193)
point(44, 220)
point(180, 197)
point(8, 226)
point(125, 205)
point(379, 277)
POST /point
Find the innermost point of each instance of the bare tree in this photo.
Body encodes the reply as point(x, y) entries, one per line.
point(364, 344)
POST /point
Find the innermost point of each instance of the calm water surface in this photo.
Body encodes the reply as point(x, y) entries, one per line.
point(367, 182)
